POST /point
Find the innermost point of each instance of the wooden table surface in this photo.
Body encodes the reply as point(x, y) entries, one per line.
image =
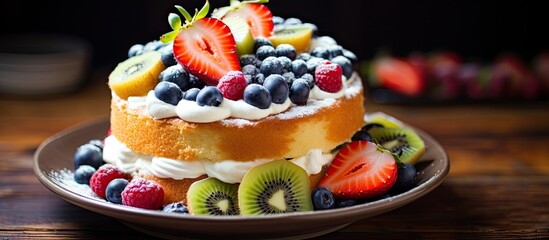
point(497, 188)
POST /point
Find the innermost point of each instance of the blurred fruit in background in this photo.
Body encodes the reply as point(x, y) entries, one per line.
point(443, 76)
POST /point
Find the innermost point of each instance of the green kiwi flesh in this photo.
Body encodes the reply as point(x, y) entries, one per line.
point(403, 142)
point(211, 196)
point(279, 186)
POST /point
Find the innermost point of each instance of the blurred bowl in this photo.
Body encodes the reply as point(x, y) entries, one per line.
point(42, 64)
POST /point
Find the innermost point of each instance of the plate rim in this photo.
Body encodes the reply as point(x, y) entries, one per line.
point(115, 210)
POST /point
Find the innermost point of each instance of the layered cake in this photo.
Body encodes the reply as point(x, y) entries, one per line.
point(242, 112)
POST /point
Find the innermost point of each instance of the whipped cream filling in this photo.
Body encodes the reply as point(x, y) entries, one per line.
point(229, 171)
point(190, 111)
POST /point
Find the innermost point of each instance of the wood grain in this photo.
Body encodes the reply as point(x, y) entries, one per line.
point(497, 188)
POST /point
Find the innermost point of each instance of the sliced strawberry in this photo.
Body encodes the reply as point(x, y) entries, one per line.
point(207, 50)
point(398, 75)
point(360, 170)
point(258, 17)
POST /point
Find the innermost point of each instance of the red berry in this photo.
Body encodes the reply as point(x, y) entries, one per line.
point(258, 17)
point(103, 176)
point(232, 85)
point(143, 193)
point(328, 77)
point(360, 170)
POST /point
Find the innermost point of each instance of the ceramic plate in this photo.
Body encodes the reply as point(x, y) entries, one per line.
point(53, 166)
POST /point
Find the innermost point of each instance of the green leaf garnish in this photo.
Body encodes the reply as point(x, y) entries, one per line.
point(175, 21)
point(168, 37)
point(184, 12)
point(203, 12)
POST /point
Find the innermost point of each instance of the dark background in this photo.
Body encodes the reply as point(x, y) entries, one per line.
point(475, 29)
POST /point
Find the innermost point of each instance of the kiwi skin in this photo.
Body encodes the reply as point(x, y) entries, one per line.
point(205, 197)
point(403, 142)
point(263, 185)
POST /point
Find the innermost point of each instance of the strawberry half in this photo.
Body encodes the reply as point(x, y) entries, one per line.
point(206, 49)
point(360, 170)
point(399, 76)
point(257, 15)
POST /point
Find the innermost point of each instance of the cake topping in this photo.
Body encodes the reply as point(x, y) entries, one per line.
point(257, 15)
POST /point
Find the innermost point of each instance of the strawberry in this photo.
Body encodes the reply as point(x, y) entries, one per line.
point(360, 170)
point(205, 47)
point(257, 15)
point(399, 76)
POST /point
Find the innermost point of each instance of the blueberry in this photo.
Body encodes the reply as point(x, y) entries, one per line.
point(286, 63)
point(322, 199)
point(277, 87)
point(271, 65)
point(277, 20)
point(250, 70)
point(293, 21)
point(289, 77)
point(167, 56)
point(176, 74)
point(299, 67)
point(97, 143)
point(362, 136)
point(346, 203)
point(299, 92)
point(350, 55)
point(194, 82)
point(153, 46)
point(406, 179)
point(135, 50)
point(312, 63)
point(335, 50)
point(259, 78)
point(265, 52)
point(191, 94)
point(261, 41)
point(310, 79)
point(209, 96)
point(168, 92)
point(249, 59)
point(114, 190)
point(345, 64)
point(249, 79)
point(176, 207)
point(286, 50)
point(320, 52)
point(83, 174)
point(88, 154)
point(304, 56)
point(257, 95)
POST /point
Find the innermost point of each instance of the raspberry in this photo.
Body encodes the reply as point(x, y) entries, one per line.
point(232, 85)
point(328, 77)
point(143, 193)
point(103, 176)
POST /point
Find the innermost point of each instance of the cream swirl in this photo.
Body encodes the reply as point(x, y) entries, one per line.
point(228, 171)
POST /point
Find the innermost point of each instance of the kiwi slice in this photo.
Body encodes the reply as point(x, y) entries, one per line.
point(211, 196)
point(403, 142)
point(297, 35)
point(242, 35)
point(279, 186)
point(137, 75)
point(384, 119)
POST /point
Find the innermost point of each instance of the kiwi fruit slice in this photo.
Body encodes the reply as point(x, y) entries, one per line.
point(402, 142)
point(297, 35)
point(241, 34)
point(137, 75)
point(384, 119)
point(211, 196)
point(279, 186)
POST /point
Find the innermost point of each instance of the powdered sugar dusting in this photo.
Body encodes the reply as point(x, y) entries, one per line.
point(65, 179)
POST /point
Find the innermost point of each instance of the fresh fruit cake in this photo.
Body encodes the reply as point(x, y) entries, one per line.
point(242, 112)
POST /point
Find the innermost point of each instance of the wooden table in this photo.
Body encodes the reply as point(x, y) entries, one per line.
point(498, 186)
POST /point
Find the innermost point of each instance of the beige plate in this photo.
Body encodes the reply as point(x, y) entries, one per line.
point(56, 153)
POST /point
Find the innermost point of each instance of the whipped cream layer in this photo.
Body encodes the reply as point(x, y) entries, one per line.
point(190, 111)
point(229, 171)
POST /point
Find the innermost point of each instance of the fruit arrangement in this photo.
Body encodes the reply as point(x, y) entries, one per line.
point(445, 76)
point(378, 162)
point(241, 52)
